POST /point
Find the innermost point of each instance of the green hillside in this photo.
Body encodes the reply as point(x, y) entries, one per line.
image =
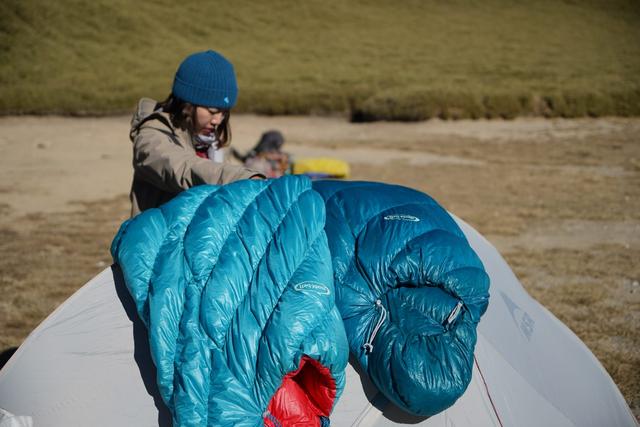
point(406, 60)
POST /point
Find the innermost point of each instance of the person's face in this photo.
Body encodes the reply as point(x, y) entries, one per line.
point(207, 120)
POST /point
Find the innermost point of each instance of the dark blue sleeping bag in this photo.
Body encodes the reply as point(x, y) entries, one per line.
point(409, 288)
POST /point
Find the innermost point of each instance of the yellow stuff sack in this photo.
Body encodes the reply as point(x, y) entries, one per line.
point(321, 167)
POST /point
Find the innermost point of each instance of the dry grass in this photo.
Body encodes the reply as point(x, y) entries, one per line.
point(495, 58)
point(44, 259)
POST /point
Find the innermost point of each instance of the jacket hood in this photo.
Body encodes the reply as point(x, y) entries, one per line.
point(147, 111)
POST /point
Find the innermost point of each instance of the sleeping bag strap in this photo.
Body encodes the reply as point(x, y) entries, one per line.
point(368, 346)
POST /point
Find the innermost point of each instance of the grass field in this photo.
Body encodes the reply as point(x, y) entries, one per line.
point(373, 60)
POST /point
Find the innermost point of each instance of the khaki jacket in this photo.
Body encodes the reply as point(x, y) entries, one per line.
point(165, 162)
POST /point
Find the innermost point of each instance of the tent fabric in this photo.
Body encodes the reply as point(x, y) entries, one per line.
point(8, 419)
point(234, 284)
point(410, 289)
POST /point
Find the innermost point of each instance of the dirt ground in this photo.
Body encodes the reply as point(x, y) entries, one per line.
point(559, 198)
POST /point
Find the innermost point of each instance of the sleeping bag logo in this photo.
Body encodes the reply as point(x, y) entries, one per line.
point(401, 217)
point(312, 286)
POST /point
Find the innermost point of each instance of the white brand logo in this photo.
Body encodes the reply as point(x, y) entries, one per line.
point(312, 286)
point(401, 217)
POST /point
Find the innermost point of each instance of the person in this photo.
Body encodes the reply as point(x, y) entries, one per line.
point(175, 141)
point(267, 156)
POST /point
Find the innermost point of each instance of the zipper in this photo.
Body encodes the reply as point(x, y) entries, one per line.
point(368, 346)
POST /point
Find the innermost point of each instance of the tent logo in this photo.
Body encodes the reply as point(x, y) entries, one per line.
point(401, 217)
point(312, 286)
point(521, 318)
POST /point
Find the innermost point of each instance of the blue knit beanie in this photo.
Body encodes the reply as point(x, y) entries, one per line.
point(206, 79)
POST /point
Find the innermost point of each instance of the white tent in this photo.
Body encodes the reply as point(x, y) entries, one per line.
point(88, 364)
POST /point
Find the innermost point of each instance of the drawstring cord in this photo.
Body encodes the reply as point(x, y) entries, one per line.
point(324, 421)
point(271, 418)
point(454, 314)
point(368, 346)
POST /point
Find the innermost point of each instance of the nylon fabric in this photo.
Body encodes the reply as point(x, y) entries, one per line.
point(235, 286)
point(410, 290)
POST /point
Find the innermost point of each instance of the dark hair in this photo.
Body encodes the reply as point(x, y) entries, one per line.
point(183, 113)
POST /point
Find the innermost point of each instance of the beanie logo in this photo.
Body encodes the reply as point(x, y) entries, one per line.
point(401, 217)
point(226, 99)
point(312, 286)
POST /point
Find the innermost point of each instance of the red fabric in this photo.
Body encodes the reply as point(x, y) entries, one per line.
point(202, 154)
point(304, 395)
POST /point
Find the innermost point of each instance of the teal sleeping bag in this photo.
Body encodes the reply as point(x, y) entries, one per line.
point(410, 290)
point(235, 286)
